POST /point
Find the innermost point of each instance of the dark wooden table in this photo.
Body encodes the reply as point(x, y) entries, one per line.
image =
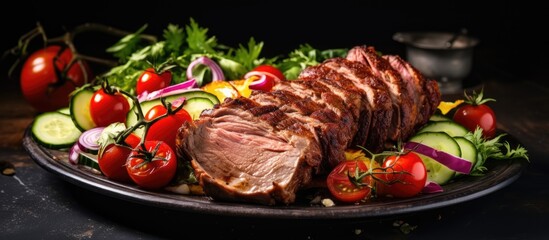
point(36, 204)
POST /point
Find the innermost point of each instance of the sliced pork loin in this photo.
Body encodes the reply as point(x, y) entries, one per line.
point(243, 151)
point(427, 96)
point(264, 148)
point(334, 131)
point(404, 118)
point(381, 106)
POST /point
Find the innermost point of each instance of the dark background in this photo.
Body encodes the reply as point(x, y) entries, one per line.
point(512, 47)
point(510, 31)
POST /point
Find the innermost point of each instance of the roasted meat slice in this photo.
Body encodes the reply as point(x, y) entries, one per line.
point(379, 98)
point(418, 86)
point(355, 99)
point(331, 130)
point(242, 151)
point(402, 100)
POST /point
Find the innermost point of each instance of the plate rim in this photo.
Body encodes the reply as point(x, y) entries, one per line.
point(203, 205)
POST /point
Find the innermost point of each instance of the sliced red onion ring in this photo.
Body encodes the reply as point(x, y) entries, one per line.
point(87, 142)
point(452, 162)
point(432, 187)
point(217, 73)
point(167, 91)
point(74, 154)
point(259, 83)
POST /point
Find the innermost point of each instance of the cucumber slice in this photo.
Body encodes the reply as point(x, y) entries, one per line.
point(194, 107)
point(55, 130)
point(436, 172)
point(468, 150)
point(450, 127)
point(89, 160)
point(439, 117)
point(65, 111)
point(80, 109)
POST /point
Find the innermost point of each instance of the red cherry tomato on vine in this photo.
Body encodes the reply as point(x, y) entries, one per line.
point(108, 108)
point(40, 84)
point(342, 188)
point(404, 176)
point(132, 140)
point(475, 113)
point(166, 128)
point(156, 173)
point(112, 162)
point(151, 81)
point(272, 73)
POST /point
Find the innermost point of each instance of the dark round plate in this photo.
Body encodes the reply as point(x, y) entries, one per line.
point(467, 188)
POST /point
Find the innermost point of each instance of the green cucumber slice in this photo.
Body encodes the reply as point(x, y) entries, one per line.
point(79, 107)
point(451, 128)
point(55, 130)
point(437, 172)
point(439, 117)
point(194, 107)
point(65, 111)
point(468, 150)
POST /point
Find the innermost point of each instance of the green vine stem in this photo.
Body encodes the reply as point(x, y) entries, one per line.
point(67, 39)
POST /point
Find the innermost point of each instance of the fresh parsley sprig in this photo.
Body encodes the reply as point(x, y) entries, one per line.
point(492, 149)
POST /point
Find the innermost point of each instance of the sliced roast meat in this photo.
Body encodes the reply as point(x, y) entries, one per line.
point(355, 99)
point(242, 151)
point(329, 130)
point(265, 148)
point(401, 98)
point(379, 98)
point(417, 86)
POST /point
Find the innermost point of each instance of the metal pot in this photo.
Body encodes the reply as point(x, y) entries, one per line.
point(446, 57)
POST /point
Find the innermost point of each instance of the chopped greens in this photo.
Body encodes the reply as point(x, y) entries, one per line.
point(179, 46)
point(306, 56)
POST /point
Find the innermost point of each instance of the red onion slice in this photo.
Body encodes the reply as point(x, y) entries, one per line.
point(452, 162)
point(217, 73)
point(432, 187)
point(167, 91)
point(87, 142)
point(258, 83)
point(74, 154)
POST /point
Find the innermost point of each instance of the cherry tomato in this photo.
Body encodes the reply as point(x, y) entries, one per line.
point(342, 188)
point(151, 81)
point(471, 116)
point(132, 140)
point(475, 113)
point(271, 73)
point(166, 128)
point(112, 162)
point(405, 176)
point(39, 82)
point(272, 70)
point(108, 108)
point(153, 173)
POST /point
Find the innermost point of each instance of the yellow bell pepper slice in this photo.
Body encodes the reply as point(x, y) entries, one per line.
point(445, 107)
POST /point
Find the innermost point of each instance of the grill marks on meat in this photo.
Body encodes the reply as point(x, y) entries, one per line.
point(264, 148)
